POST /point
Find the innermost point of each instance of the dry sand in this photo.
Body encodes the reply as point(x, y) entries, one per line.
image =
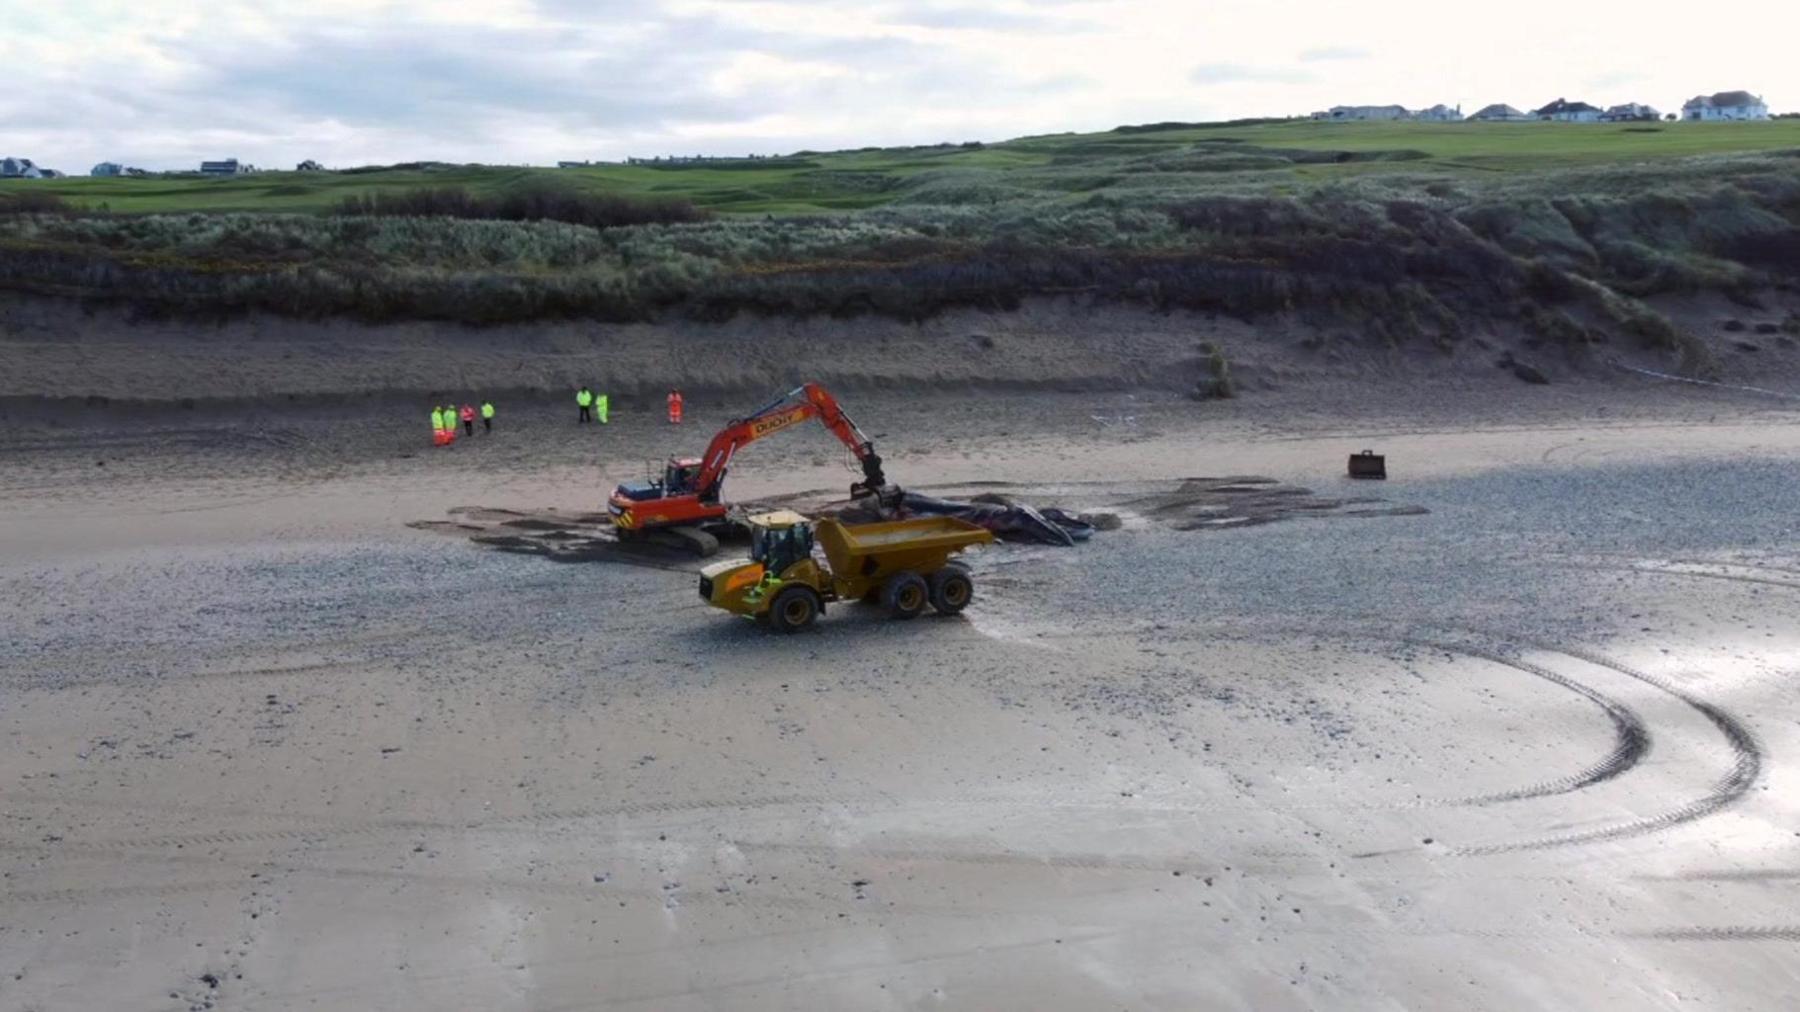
point(1524, 739)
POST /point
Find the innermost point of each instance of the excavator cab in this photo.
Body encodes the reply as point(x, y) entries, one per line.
point(681, 475)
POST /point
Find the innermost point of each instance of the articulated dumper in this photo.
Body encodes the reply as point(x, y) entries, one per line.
point(903, 565)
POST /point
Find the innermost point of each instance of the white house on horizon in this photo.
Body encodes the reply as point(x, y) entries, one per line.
point(1725, 105)
point(1341, 113)
point(1500, 112)
point(19, 168)
point(1630, 112)
point(1439, 113)
point(1564, 111)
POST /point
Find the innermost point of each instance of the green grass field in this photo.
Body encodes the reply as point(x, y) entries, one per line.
point(1274, 157)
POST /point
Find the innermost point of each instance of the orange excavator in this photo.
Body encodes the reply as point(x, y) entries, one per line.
point(687, 499)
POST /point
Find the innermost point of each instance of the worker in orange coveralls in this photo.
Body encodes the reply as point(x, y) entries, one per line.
point(674, 407)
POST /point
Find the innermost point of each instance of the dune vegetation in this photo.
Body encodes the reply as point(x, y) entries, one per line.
point(1407, 233)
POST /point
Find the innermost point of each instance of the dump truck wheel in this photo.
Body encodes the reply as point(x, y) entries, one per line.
point(793, 609)
point(906, 595)
point(951, 589)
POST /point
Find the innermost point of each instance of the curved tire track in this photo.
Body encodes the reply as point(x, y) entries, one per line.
point(1754, 567)
point(1761, 581)
point(95, 894)
point(1737, 781)
point(984, 858)
point(329, 831)
point(1726, 934)
point(1749, 573)
point(1631, 739)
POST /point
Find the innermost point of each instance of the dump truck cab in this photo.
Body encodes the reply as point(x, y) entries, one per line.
point(781, 545)
point(901, 564)
point(779, 540)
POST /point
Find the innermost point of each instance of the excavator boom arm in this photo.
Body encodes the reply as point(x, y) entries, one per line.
point(786, 411)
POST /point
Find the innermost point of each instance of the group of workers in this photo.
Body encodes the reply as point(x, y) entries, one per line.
point(444, 419)
point(590, 405)
point(593, 406)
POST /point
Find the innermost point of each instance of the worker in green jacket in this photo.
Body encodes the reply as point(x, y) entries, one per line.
point(437, 419)
point(584, 399)
point(602, 407)
point(487, 416)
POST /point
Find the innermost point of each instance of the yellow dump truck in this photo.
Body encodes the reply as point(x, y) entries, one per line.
point(904, 565)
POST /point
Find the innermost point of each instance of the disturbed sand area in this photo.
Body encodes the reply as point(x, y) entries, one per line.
point(1528, 742)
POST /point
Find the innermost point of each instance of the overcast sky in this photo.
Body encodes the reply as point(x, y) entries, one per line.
point(163, 84)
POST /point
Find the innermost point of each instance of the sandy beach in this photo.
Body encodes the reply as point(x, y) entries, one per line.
point(1512, 730)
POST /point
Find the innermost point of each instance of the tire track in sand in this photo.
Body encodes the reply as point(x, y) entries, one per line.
point(1730, 933)
point(1746, 767)
point(1631, 739)
point(338, 830)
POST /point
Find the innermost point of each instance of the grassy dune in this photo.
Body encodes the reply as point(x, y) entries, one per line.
point(1400, 233)
point(1261, 155)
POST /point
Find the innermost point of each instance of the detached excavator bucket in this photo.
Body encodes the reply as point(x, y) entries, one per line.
point(1368, 464)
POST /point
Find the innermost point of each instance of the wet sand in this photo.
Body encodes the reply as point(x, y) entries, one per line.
point(1527, 743)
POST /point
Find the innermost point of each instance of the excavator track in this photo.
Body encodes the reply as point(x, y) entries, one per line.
point(692, 540)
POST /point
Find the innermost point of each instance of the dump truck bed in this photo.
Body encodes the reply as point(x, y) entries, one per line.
point(868, 553)
point(919, 533)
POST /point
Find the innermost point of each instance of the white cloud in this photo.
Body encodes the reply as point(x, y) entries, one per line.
point(164, 83)
point(1320, 54)
point(1229, 73)
point(744, 73)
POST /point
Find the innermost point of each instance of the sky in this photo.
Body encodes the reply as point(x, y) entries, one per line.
point(162, 84)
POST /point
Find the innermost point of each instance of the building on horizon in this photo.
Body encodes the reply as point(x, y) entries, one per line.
point(1361, 113)
point(1564, 111)
point(1500, 112)
point(19, 168)
point(1630, 112)
point(1725, 105)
